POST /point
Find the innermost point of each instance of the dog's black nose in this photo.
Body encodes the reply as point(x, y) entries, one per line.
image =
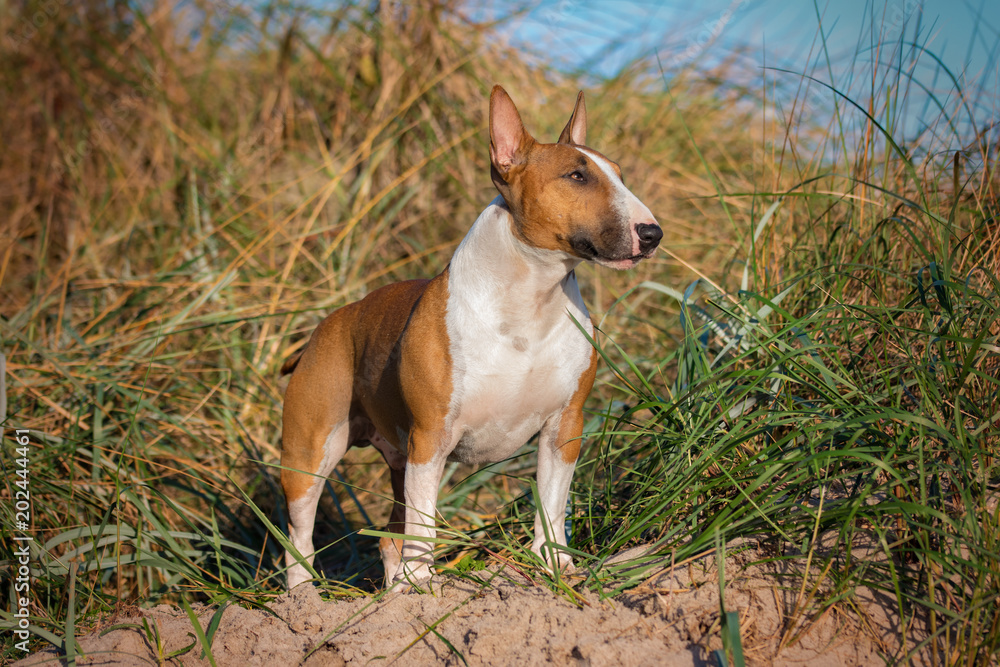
point(649, 236)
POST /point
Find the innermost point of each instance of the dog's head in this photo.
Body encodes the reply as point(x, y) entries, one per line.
point(566, 196)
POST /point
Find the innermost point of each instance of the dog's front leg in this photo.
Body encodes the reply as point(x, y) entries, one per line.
point(558, 448)
point(420, 491)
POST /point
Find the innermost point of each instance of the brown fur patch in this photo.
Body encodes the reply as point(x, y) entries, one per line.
point(290, 363)
point(378, 338)
point(571, 421)
point(425, 372)
point(555, 206)
point(392, 549)
point(312, 402)
point(349, 367)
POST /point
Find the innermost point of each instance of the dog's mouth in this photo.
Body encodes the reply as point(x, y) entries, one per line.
point(585, 249)
point(621, 264)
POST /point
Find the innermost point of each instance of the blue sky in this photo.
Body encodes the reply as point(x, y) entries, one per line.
point(602, 36)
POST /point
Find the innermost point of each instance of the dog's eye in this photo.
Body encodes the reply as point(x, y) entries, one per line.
point(578, 177)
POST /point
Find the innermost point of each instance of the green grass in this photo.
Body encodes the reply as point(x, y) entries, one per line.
point(811, 364)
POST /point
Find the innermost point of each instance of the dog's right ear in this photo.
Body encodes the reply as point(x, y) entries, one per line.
point(509, 141)
point(575, 131)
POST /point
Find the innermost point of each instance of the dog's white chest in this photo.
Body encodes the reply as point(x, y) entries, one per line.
point(506, 389)
point(503, 395)
point(516, 353)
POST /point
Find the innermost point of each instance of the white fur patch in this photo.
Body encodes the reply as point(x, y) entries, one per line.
point(626, 204)
point(517, 356)
point(554, 477)
point(420, 494)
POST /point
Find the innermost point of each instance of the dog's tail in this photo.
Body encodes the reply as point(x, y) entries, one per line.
point(291, 362)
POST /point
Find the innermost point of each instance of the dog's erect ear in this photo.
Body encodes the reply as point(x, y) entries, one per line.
point(575, 131)
point(508, 138)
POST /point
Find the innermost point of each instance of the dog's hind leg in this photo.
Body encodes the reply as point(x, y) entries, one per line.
point(315, 431)
point(303, 477)
point(392, 549)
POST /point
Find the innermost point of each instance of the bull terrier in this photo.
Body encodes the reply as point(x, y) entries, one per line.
point(469, 365)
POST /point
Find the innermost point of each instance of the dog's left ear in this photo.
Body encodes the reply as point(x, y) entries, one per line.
point(509, 141)
point(575, 131)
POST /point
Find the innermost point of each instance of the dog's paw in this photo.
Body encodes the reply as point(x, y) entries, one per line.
point(410, 577)
point(403, 587)
point(566, 566)
point(298, 575)
point(555, 560)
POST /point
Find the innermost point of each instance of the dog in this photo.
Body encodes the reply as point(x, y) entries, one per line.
point(469, 365)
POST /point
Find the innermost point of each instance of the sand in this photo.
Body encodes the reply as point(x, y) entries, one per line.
point(496, 617)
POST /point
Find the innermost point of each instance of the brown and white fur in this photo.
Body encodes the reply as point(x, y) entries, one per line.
point(469, 365)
